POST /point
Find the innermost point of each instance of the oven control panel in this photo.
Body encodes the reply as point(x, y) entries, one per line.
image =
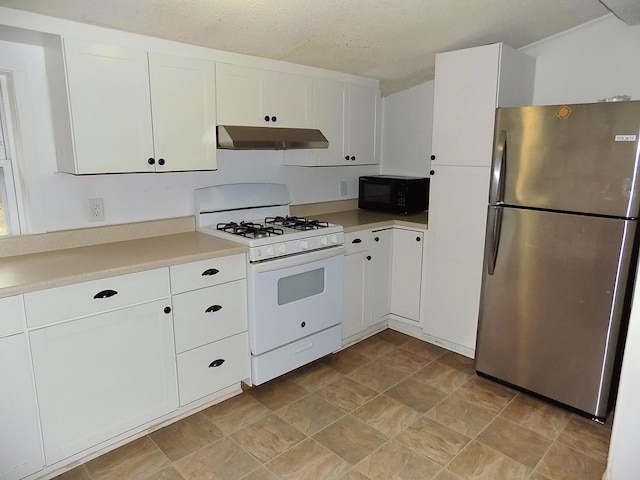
point(293, 247)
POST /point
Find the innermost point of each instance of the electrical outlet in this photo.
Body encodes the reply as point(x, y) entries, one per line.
point(95, 209)
point(343, 188)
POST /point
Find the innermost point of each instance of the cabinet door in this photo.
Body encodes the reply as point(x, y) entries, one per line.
point(330, 116)
point(184, 113)
point(288, 99)
point(457, 218)
point(464, 106)
point(381, 257)
point(20, 443)
point(109, 99)
point(239, 95)
point(362, 125)
point(100, 376)
point(406, 276)
point(356, 293)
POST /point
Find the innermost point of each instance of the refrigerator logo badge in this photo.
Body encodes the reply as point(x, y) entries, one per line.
point(625, 138)
point(563, 112)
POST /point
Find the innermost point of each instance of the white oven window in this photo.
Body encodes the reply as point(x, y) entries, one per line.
point(300, 286)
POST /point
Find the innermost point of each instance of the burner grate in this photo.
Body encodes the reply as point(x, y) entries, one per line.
point(249, 229)
point(296, 223)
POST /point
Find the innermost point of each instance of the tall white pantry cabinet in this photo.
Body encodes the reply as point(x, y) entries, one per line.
point(469, 85)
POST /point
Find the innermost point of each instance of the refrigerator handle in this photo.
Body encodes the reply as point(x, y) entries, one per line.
point(496, 191)
point(494, 228)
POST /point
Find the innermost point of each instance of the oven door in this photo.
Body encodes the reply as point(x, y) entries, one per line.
point(293, 297)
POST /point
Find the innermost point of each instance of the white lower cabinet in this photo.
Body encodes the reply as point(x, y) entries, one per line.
point(357, 283)
point(102, 375)
point(20, 442)
point(406, 274)
point(381, 258)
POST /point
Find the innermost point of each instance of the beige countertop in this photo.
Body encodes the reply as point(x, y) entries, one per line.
point(37, 271)
point(353, 220)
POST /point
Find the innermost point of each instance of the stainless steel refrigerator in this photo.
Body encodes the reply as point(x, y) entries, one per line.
point(560, 249)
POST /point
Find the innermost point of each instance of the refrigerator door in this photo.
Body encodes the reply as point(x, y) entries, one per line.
point(575, 158)
point(551, 310)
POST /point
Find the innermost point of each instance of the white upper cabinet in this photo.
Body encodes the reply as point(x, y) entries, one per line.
point(262, 98)
point(346, 114)
point(130, 111)
point(469, 85)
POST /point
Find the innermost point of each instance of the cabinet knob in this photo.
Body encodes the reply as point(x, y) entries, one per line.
point(353, 157)
point(418, 239)
point(216, 363)
point(266, 118)
point(369, 257)
point(167, 309)
point(213, 308)
point(151, 161)
point(432, 172)
point(347, 157)
point(377, 239)
point(210, 271)
point(105, 294)
point(274, 119)
point(433, 157)
point(303, 324)
point(161, 161)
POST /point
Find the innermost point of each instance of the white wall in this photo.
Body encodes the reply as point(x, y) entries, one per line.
point(407, 123)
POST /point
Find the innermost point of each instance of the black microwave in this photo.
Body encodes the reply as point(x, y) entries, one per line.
point(393, 194)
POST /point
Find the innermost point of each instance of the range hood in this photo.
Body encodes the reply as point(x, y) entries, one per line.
point(234, 137)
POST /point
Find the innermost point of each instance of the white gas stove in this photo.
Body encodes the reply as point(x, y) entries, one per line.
point(294, 273)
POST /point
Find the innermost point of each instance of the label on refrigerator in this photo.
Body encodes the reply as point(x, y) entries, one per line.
point(625, 138)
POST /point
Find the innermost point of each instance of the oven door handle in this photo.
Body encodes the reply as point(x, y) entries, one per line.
point(297, 260)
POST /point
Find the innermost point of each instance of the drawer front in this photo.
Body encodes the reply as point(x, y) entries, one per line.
point(190, 276)
point(201, 372)
point(12, 316)
point(88, 298)
point(357, 241)
point(209, 314)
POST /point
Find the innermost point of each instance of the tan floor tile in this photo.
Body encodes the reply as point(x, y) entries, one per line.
point(314, 376)
point(377, 377)
point(222, 460)
point(395, 460)
point(235, 413)
point(393, 337)
point(447, 475)
point(372, 348)
point(353, 474)
point(479, 462)
point(277, 393)
point(345, 361)
point(167, 473)
point(423, 348)
point(268, 437)
point(185, 436)
point(261, 474)
point(386, 415)
point(564, 463)
point(486, 394)
point(538, 476)
point(587, 437)
point(310, 461)
point(416, 395)
point(432, 440)
point(440, 376)
point(536, 415)
point(346, 394)
point(459, 362)
point(78, 473)
point(137, 459)
point(403, 361)
point(461, 416)
point(516, 442)
point(350, 439)
point(310, 414)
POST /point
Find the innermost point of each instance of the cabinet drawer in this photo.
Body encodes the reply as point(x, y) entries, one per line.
point(12, 317)
point(88, 298)
point(357, 241)
point(209, 314)
point(190, 276)
point(201, 372)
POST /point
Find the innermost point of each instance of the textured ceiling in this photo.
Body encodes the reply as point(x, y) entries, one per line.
point(394, 41)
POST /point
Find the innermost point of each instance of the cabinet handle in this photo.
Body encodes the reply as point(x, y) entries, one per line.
point(418, 239)
point(356, 240)
point(151, 161)
point(216, 363)
point(433, 157)
point(161, 161)
point(432, 172)
point(210, 271)
point(213, 308)
point(266, 118)
point(369, 257)
point(347, 157)
point(353, 157)
point(105, 294)
point(167, 309)
point(274, 119)
point(377, 239)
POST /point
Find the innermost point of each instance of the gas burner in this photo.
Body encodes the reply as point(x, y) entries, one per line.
point(296, 223)
point(249, 229)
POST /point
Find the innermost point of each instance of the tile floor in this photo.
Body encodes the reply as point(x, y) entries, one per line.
point(389, 407)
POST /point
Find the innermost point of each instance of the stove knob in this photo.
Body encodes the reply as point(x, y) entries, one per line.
point(270, 251)
point(304, 244)
point(334, 238)
point(324, 241)
point(282, 248)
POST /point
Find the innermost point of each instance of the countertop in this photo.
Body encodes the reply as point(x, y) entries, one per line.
point(353, 220)
point(37, 271)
